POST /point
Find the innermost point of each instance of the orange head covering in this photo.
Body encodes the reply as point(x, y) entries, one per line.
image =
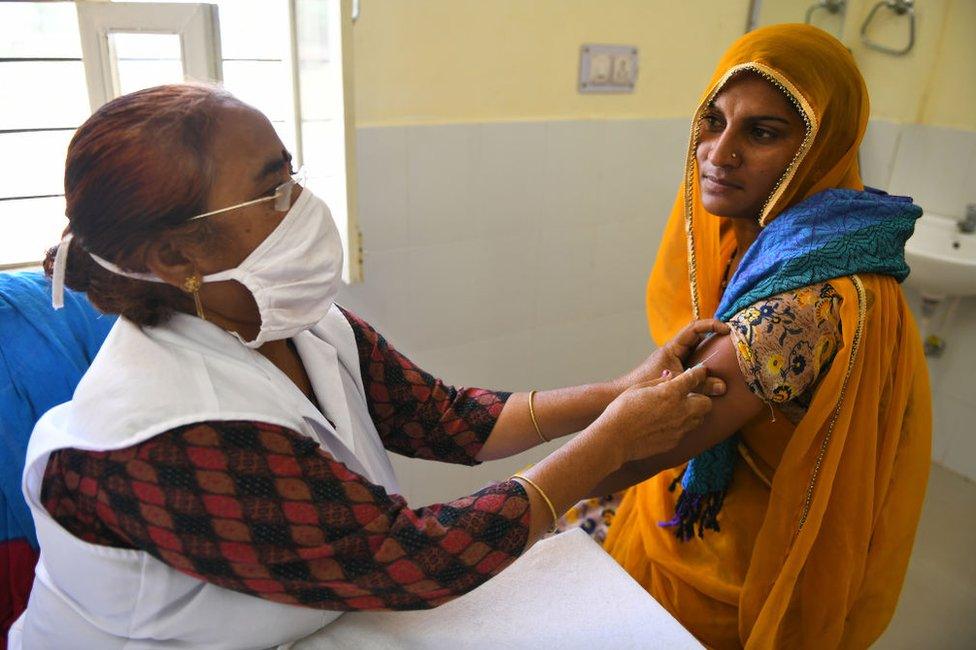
point(820, 78)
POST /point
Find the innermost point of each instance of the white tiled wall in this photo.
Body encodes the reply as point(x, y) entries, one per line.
point(937, 167)
point(514, 256)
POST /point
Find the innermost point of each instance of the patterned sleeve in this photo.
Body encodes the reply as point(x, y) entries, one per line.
point(265, 511)
point(784, 343)
point(416, 414)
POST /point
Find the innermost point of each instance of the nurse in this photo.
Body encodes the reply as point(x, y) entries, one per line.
point(220, 478)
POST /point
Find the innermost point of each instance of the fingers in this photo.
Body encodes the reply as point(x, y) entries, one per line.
point(698, 405)
point(694, 333)
point(653, 382)
point(714, 387)
point(706, 325)
point(689, 380)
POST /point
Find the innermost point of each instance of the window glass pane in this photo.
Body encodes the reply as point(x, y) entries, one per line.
point(313, 29)
point(332, 190)
point(127, 45)
point(320, 90)
point(253, 29)
point(264, 85)
point(33, 162)
point(146, 60)
point(29, 228)
point(324, 155)
point(39, 29)
point(42, 95)
point(250, 29)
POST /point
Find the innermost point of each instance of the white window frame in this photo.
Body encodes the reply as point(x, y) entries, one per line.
point(344, 205)
point(196, 25)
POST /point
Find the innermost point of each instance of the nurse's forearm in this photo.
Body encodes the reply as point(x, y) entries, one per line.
point(566, 475)
point(558, 412)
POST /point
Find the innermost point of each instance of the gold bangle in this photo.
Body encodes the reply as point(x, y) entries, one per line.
point(552, 509)
point(535, 422)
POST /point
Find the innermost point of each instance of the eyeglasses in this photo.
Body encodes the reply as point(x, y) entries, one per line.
point(281, 197)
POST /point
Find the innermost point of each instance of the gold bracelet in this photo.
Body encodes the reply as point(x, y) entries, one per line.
point(535, 422)
point(552, 509)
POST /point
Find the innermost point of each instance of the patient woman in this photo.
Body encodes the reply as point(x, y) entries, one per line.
point(220, 478)
point(797, 531)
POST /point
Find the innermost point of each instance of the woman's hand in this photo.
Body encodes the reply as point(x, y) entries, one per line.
point(652, 418)
point(646, 421)
point(673, 355)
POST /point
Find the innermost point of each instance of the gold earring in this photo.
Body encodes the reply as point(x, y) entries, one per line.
point(192, 286)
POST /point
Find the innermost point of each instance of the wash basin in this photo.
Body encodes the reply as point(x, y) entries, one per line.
point(942, 259)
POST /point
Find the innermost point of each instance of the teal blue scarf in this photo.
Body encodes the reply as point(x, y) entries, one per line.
point(832, 234)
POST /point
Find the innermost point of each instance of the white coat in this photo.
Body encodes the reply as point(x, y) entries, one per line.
point(143, 382)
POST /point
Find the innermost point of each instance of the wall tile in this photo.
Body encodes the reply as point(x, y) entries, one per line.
point(668, 144)
point(877, 153)
point(943, 422)
point(507, 282)
point(566, 278)
point(629, 154)
point(444, 306)
point(509, 178)
point(624, 254)
point(380, 299)
point(932, 165)
point(440, 201)
point(382, 158)
point(569, 353)
point(623, 341)
point(575, 162)
point(500, 363)
point(424, 482)
point(957, 417)
point(959, 359)
point(969, 187)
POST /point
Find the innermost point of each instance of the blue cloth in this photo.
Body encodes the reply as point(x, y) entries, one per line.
point(834, 233)
point(43, 354)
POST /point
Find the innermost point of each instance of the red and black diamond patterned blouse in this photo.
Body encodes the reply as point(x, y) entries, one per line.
point(263, 510)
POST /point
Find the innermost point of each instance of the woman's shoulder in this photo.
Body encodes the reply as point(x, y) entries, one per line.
point(786, 341)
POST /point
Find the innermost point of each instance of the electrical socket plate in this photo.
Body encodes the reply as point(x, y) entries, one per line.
point(607, 68)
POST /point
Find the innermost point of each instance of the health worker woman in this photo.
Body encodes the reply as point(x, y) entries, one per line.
point(221, 476)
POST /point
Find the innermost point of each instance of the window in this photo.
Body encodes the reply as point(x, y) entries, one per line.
point(61, 60)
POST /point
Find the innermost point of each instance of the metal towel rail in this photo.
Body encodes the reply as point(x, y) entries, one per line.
point(901, 8)
point(830, 6)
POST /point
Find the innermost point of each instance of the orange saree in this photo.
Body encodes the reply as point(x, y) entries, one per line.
point(818, 523)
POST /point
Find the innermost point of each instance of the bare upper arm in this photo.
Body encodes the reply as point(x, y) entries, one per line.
point(730, 412)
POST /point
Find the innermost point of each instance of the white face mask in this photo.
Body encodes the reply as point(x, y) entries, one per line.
point(293, 274)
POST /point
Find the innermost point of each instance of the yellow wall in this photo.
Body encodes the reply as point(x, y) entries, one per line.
point(934, 84)
point(435, 61)
point(951, 98)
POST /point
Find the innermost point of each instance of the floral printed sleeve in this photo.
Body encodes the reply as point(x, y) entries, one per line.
point(786, 342)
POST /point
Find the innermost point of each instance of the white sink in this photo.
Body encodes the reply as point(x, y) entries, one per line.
point(942, 259)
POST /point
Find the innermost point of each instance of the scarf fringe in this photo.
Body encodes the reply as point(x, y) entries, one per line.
point(691, 509)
